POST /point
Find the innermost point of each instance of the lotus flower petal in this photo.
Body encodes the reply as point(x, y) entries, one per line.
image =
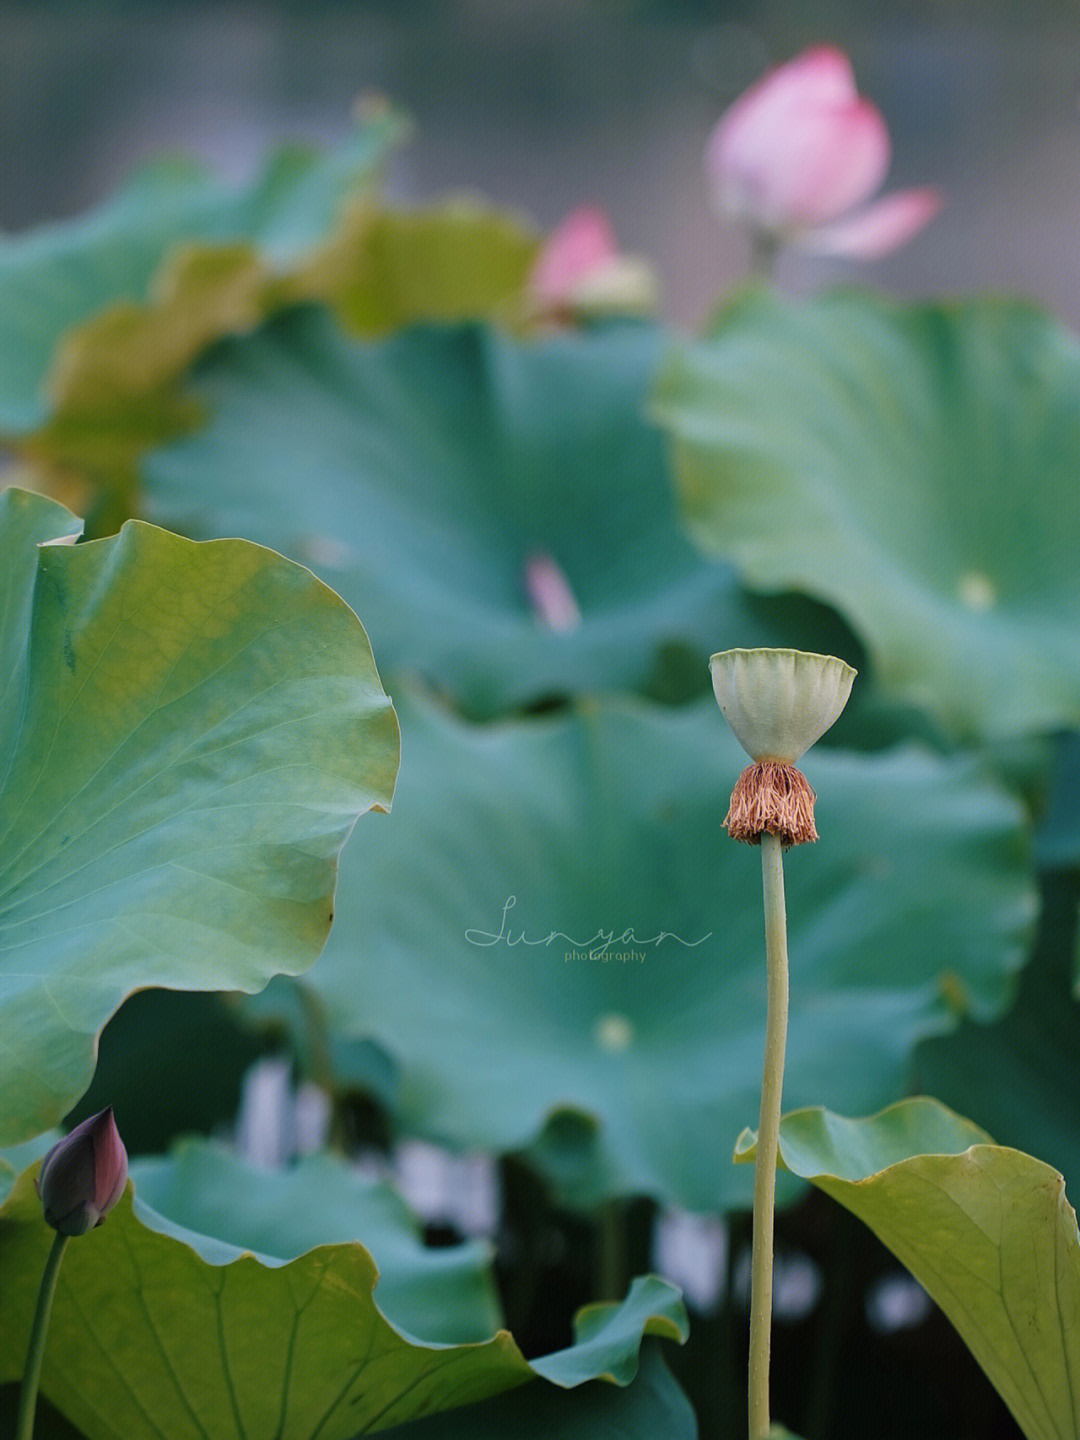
point(878, 229)
point(799, 148)
point(581, 272)
point(583, 244)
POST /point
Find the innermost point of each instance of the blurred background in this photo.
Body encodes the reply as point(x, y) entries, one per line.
point(547, 104)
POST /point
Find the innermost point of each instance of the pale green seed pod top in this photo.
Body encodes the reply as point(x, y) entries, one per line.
point(778, 702)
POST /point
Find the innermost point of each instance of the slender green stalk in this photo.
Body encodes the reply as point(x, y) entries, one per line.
point(24, 1430)
point(764, 253)
point(772, 1083)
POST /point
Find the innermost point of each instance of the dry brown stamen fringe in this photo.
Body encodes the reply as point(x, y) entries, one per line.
point(772, 797)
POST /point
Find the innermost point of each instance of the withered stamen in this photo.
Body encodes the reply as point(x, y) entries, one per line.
point(774, 797)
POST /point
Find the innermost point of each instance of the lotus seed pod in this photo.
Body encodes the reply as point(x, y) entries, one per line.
point(778, 702)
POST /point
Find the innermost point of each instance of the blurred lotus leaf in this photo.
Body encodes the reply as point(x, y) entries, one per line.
point(448, 482)
point(913, 465)
point(385, 268)
point(100, 314)
point(600, 970)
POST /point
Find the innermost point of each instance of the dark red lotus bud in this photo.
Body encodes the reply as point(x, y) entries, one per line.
point(83, 1176)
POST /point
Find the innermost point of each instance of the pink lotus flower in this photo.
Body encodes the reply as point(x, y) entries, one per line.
point(83, 1176)
point(798, 153)
point(580, 270)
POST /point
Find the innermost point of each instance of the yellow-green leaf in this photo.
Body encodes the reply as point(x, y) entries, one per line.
point(987, 1231)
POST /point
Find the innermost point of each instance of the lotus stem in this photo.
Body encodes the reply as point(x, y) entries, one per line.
point(764, 253)
point(24, 1430)
point(772, 1084)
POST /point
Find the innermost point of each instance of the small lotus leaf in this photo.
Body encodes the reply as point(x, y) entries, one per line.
point(385, 268)
point(985, 1230)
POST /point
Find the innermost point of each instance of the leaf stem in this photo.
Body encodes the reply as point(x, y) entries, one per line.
point(772, 1083)
point(24, 1430)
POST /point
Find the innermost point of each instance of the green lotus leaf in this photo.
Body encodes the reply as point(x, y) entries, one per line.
point(160, 1330)
point(1017, 1077)
point(442, 1296)
point(912, 465)
point(600, 836)
point(190, 732)
point(654, 1405)
point(987, 1231)
point(186, 243)
point(384, 268)
point(420, 474)
point(26, 522)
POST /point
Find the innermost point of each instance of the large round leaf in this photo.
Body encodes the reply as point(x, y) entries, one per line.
point(162, 1330)
point(987, 1231)
point(189, 733)
point(420, 475)
point(559, 927)
point(913, 465)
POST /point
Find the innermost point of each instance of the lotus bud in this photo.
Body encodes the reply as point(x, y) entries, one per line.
point(798, 156)
point(778, 703)
point(83, 1176)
